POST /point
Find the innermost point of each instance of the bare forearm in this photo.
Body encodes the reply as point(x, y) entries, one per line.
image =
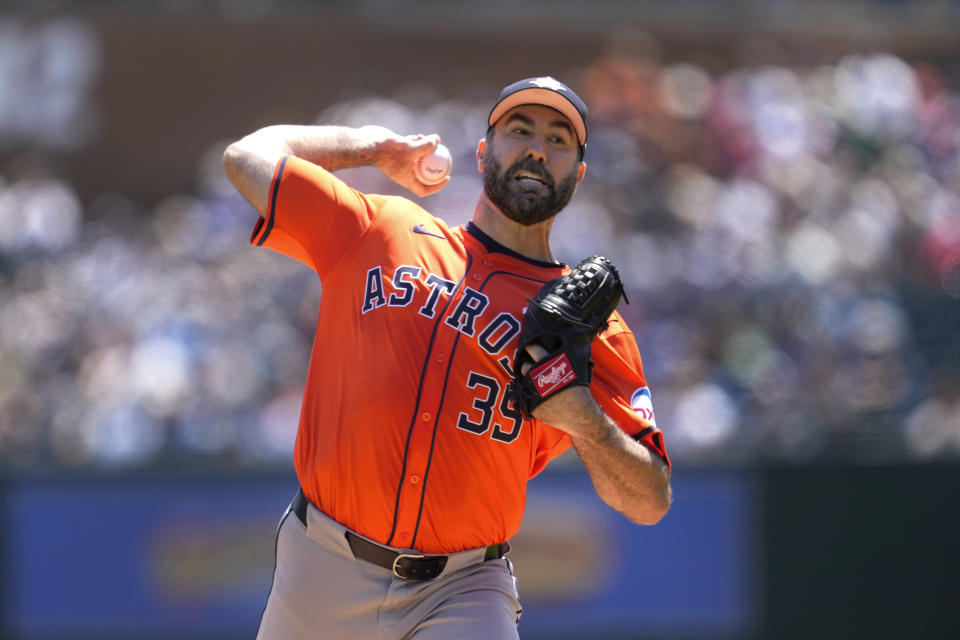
point(331, 147)
point(250, 162)
point(625, 474)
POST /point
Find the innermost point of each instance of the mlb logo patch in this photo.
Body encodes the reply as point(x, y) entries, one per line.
point(642, 403)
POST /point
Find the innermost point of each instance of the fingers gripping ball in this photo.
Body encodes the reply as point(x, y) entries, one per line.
point(564, 318)
point(432, 168)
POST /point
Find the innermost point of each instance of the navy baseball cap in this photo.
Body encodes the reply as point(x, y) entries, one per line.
point(548, 92)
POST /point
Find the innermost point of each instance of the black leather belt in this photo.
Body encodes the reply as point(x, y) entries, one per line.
point(403, 565)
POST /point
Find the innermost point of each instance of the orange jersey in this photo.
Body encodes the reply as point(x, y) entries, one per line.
point(406, 435)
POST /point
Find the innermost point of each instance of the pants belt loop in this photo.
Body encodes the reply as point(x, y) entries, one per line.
point(299, 506)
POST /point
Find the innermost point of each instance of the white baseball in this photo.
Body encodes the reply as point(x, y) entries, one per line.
point(432, 168)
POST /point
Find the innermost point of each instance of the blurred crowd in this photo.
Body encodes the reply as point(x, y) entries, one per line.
point(789, 236)
point(794, 234)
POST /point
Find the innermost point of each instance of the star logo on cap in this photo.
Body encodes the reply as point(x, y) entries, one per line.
point(549, 83)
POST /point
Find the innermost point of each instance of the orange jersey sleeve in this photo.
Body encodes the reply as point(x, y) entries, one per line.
point(620, 388)
point(312, 215)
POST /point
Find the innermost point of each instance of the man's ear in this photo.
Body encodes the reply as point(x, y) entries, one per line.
point(481, 150)
point(581, 170)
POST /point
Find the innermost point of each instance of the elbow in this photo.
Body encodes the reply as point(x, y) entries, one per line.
point(232, 158)
point(659, 509)
point(654, 507)
point(241, 164)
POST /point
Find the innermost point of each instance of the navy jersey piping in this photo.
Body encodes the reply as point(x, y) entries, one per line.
point(273, 202)
point(493, 246)
point(416, 410)
point(643, 432)
point(443, 396)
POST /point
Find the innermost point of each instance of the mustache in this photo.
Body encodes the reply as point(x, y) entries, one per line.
point(534, 167)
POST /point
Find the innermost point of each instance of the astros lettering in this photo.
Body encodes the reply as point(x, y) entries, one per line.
point(494, 335)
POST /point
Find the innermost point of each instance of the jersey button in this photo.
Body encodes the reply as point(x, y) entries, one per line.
point(404, 535)
point(477, 277)
point(441, 358)
point(414, 479)
point(488, 262)
point(426, 417)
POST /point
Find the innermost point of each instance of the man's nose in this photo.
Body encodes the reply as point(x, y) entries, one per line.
point(535, 152)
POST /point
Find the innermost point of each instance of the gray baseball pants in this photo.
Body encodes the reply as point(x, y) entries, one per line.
point(320, 590)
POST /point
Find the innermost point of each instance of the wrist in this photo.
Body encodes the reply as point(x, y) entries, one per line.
point(376, 143)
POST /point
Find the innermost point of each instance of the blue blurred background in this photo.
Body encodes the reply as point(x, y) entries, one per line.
point(778, 181)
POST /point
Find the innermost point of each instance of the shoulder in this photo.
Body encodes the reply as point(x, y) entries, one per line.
point(618, 340)
point(400, 211)
point(616, 329)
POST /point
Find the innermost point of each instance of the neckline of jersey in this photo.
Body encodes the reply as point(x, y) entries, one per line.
point(493, 246)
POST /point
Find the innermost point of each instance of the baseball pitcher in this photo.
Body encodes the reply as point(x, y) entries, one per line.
point(450, 365)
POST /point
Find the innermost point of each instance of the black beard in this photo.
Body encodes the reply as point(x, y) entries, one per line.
point(521, 206)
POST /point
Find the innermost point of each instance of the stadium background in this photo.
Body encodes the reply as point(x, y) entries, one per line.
point(779, 182)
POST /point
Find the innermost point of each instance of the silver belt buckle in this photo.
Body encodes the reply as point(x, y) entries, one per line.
point(412, 556)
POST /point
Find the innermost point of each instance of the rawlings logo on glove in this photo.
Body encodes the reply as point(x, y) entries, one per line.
point(556, 374)
point(564, 318)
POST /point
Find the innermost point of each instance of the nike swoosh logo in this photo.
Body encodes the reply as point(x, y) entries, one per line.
point(419, 229)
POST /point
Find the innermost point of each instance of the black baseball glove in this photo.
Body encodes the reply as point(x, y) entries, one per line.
point(564, 318)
